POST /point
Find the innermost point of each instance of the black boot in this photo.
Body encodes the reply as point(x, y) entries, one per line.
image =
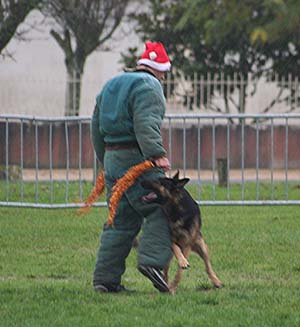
point(156, 277)
point(111, 288)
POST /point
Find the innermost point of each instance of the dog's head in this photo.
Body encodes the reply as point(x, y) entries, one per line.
point(164, 189)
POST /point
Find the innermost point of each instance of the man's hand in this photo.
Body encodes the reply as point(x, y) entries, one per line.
point(162, 162)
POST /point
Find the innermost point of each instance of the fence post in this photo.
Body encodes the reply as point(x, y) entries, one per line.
point(222, 171)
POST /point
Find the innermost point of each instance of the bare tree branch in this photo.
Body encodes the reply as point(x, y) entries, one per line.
point(82, 27)
point(12, 14)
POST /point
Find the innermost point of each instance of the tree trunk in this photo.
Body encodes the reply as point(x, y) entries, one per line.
point(73, 93)
point(242, 98)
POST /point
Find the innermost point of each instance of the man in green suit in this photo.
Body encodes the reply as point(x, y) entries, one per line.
point(125, 132)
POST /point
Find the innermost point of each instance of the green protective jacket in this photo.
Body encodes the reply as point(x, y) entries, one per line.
point(130, 107)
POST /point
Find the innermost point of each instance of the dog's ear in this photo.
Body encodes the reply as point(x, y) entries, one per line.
point(176, 176)
point(181, 182)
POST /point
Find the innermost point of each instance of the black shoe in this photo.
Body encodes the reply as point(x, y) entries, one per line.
point(111, 288)
point(156, 277)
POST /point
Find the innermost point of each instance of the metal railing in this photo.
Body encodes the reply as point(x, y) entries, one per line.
point(213, 93)
point(218, 93)
point(49, 162)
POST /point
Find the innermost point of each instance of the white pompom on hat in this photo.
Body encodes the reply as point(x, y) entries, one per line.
point(155, 56)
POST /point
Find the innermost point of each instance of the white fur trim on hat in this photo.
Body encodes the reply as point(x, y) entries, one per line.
point(152, 55)
point(162, 67)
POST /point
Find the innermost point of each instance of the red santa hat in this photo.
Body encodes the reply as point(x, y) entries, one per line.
point(155, 56)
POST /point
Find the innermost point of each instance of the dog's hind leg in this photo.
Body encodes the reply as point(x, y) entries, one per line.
point(201, 248)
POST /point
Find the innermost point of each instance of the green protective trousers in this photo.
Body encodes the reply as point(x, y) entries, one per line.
point(132, 215)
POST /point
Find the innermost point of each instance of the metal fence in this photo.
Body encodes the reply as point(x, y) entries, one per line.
point(49, 162)
point(212, 93)
point(218, 93)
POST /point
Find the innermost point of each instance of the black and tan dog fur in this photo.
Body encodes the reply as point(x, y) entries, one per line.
point(184, 218)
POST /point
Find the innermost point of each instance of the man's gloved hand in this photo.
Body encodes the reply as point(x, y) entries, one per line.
point(162, 162)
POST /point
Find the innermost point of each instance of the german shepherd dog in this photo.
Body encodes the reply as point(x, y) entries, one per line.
point(184, 218)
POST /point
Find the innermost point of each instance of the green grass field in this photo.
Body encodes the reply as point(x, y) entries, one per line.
point(47, 259)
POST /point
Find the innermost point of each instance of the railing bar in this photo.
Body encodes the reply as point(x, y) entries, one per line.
point(228, 159)
point(168, 85)
point(74, 82)
point(243, 159)
point(187, 116)
point(257, 160)
point(6, 160)
point(94, 168)
point(199, 160)
point(208, 90)
point(67, 161)
point(188, 95)
point(201, 92)
point(36, 162)
point(249, 203)
point(213, 158)
point(51, 162)
point(296, 85)
point(222, 81)
point(233, 116)
point(241, 94)
point(272, 159)
point(289, 100)
point(80, 160)
point(170, 144)
point(195, 88)
point(174, 116)
point(286, 158)
point(22, 159)
point(184, 148)
point(206, 203)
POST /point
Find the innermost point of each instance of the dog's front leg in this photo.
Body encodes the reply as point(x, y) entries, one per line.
point(182, 264)
point(166, 271)
point(182, 261)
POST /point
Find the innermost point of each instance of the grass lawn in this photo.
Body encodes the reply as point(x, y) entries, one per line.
point(47, 260)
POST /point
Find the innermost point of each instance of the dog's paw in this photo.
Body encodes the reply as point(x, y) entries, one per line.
point(218, 285)
point(172, 291)
point(183, 263)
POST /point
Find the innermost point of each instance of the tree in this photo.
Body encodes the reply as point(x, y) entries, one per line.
point(282, 37)
point(234, 37)
point(282, 34)
point(82, 27)
point(12, 14)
